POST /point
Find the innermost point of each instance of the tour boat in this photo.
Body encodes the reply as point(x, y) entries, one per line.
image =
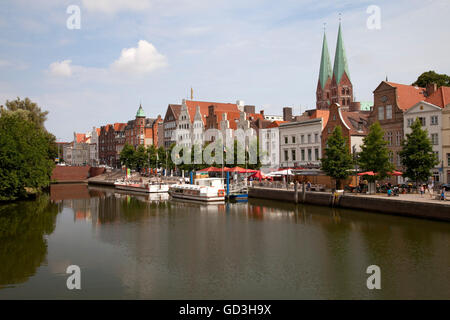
point(141, 187)
point(206, 189)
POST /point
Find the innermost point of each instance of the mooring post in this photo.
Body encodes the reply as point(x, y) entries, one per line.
point(303, 191)
point(228, 183)
point(296, 192)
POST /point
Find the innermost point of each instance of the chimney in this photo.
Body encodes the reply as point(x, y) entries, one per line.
point(249, 109)
point(431, 88)
point(355, 106)
point(287, 114)
point(262, 113)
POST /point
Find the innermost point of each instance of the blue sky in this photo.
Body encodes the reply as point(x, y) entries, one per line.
point(266, 53)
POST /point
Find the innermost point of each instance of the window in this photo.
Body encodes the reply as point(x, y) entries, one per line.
point(389, 112)
point(389, 138)
point(302, 139)
point(303, 155)
point(285, 140)
point(399, 138)
point(410, 122)
point(448, 159)
point(334, 117)
point(434, 138)
point(286, 155)
point(316, 137)
point(380, 113)
point(309, 138)
point(434, 120)
point(391, 157)
point(293, 154)
point(309, 154)
point(423, 121)
point(316, 151)
point(293, 139)
point(399, 160)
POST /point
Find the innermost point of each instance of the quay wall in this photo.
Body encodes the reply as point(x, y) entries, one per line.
point(435, 211)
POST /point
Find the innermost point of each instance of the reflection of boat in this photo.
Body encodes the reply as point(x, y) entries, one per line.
point(140, 186)
point(208, 189)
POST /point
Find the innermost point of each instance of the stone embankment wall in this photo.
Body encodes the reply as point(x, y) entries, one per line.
point(71, 174)
point(396, 206)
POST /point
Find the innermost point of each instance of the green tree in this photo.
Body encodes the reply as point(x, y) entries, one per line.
point(338, 160)
point(26, 158)
point(152, 155)
point(432, 77)
point(374, 155)
point(417, 154)
point(35, 114)
point(140, 158)
point(127, 156)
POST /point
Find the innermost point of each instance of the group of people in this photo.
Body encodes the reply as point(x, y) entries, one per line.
point(429, 188)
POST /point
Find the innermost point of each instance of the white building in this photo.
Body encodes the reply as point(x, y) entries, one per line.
point(190, 129)
point(300, 143)
point(270, 143)
point(431, 117)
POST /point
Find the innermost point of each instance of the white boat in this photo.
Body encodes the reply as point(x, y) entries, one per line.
point(141, 187)
point(207, 189)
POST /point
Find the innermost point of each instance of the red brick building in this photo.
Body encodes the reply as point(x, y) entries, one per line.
point(142, 130)
point(354, 126)
point(111, 140)
point(334, 85)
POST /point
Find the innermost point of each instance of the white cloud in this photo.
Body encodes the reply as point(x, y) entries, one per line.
point(114, 6)
point(143, 59)
point(61, 69)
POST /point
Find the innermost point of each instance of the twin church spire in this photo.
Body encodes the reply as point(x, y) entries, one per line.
point(334, 85)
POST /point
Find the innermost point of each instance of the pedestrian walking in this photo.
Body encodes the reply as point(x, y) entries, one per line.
point(443, 194)
point(421, 189)
point(430, 189)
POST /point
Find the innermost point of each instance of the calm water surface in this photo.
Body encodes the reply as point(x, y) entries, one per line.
point(145, 247)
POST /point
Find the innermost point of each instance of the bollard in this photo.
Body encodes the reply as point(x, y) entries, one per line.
point(296, 192)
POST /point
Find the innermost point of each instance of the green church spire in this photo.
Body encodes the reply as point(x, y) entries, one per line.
point(140, 112)
point(325, 64)
point(340, 59)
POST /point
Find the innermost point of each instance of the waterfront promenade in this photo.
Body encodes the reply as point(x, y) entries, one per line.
point(412, 205)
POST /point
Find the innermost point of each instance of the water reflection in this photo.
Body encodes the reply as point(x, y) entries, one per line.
point(23, 247)
point(149, 246)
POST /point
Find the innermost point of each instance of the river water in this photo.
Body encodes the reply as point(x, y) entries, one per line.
point(151, 247)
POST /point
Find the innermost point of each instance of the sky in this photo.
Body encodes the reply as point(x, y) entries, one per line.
point(264, 52)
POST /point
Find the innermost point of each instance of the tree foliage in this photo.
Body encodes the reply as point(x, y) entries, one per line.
point(27, 155)
point(127, 156)
point(417, 154)
point(374, 155)
point(432, 77)
point(338, 160)
point(35, 114)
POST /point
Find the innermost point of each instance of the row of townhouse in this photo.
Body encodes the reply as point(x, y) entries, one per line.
point(139, 131)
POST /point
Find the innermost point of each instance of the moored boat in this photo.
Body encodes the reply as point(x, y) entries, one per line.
point(207, 189)
point(141, 186)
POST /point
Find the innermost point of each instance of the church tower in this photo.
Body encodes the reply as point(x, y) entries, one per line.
point(341, 85)
point(323, 92)
point(140, 126)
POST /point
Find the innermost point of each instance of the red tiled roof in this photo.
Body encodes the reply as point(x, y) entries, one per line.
point(276, 123)
point(352, 119)
point(119, 126)
point(407, 95)
point(441, 97)
point(80, 137)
